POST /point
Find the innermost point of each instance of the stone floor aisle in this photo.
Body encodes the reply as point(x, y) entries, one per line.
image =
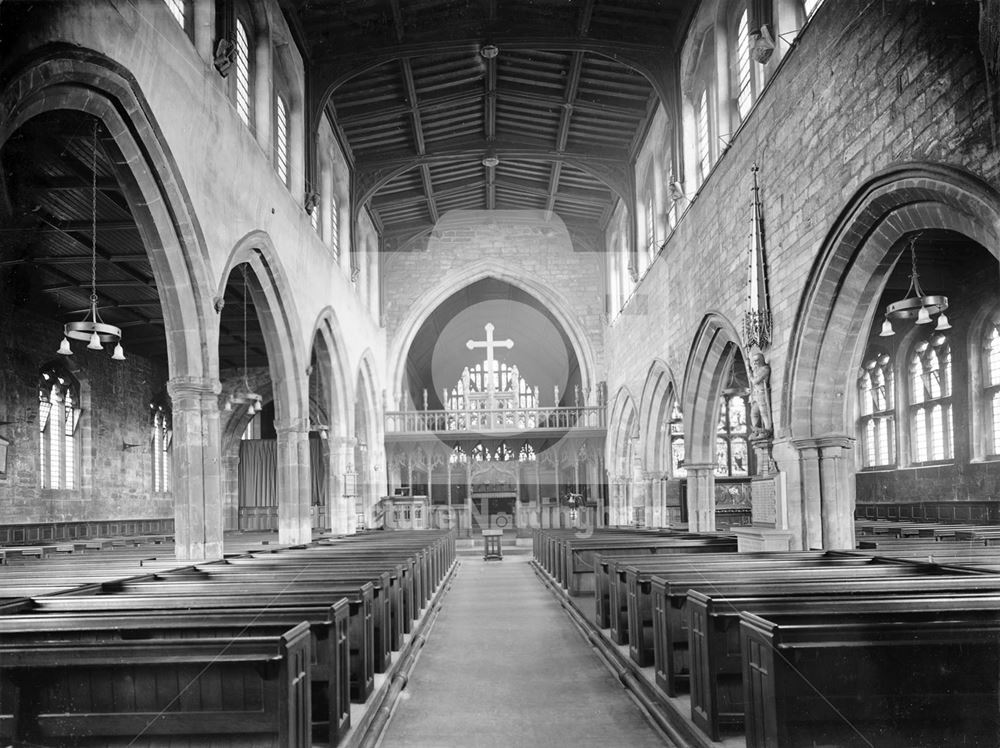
point(504, 666)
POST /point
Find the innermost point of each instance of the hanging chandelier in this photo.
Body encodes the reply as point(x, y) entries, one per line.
point(246, 396)
point(92, 328)
point(916, 305)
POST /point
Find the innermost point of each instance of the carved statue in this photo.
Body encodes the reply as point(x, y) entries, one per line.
point(760, 395)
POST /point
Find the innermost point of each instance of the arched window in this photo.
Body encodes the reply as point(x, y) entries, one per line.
point(334, 226)
point(314, 218)
point(281, 138)
point(746, 76)
point(702, 134)
point(676, 425)
point(58, 416)
point(991, 390)
point(930, 400)
point(652, 240)
point(243, 72)
point(732, 445)
point(877, 424)
point(160, 439)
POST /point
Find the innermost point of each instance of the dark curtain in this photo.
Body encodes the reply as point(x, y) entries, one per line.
point(318, 470)
point(258, 474)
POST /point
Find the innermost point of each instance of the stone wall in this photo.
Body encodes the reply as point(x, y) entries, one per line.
point(115, 400)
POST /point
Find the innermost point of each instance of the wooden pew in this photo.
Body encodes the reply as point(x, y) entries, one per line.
point(248, 691)
point(670, 636)
point(329, 668)
point(904, 682)
point(359, 600)
point(630, 597)
point(714, 635)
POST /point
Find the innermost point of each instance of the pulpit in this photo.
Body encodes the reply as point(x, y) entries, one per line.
point(403, 512)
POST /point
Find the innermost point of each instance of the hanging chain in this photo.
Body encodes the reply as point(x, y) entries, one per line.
point(93, 225)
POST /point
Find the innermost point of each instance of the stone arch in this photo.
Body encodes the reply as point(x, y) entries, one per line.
point(658, 394)
point(61, 77)
point(329, 350)
point(849, 275)
point(458, 279)
point(623, 433)
point(712, 353)
point(368, 431)
point(837, 309)
point(274, 304)
point(273, 300)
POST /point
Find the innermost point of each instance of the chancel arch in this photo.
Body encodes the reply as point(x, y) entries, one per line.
point(842, 307)
point(625, 462)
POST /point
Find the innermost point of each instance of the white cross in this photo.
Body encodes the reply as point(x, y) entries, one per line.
point(489, 344)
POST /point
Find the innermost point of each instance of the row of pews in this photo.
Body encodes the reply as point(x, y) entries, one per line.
point(268, 647)
point(798, 648)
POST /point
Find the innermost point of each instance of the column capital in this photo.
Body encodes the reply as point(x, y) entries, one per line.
point(655, 474)
point(824, 443)
point(291, 426)
point(694, 467)
point(198, 388)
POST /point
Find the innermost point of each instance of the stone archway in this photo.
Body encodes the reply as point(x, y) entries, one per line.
point(368, 432)
point(489, 269)
point(273, 301)
point(329, 357)
point(622, 456)
point(835, 313)
point(85, 81)
point(709, 362)
point(658, 396)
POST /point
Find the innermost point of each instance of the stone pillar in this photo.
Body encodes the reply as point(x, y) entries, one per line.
point(701, 496)
point(654, 502)
point(341, 455)
point(827, 511)
point(197, 473)
point(204, 29)
point(294, 523)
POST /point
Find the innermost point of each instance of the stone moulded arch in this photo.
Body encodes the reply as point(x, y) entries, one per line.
point(59, 77)
point(471, 273)
point(848, 277)
point(712, 352)
point(621, 427)
point(658, 392)
point(274, 304)
point(273, 301)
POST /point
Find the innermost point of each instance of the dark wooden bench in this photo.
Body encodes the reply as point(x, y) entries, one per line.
point(246, 691)
point(913, 683)
point(329, 668)
point(670, 635)
point(714, 635)
point(359, 600)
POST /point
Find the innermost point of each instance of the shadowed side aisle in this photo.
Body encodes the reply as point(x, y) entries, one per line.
point(504, 667)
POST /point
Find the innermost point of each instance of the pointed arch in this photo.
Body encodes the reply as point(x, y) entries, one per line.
point(839, 302)
point(328, 342)
point(468, 274)
point(61, 77)
point(712, 352)
point(273, 300)
point(659, 392)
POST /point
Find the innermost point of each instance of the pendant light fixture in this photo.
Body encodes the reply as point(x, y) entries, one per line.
point(92, 328)
point(916, 305)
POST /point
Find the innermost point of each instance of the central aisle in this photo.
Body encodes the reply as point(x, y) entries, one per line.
point(504, 666)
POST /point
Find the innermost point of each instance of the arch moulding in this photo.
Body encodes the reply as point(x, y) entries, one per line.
point(455, 281)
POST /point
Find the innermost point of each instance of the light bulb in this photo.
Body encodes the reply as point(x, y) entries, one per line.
point(887, 330)
point(119, 354)
point(64, 348)
point(923, 317)
point(943, 323)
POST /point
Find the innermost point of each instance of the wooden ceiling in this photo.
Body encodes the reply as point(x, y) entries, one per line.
point(45, 243)
point(562, 105)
